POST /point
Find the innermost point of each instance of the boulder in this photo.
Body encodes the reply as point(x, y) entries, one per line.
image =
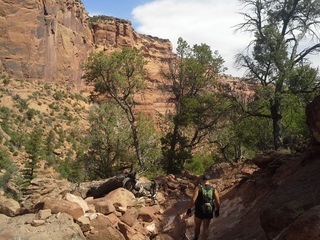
point(9, 207)
point(36, 222)
point(82, 203)
point(121, 198)
point(104, 230)
point(44, 214)
point(130, 233)
point(147, 214)
point(163, 236)
point(104, 206)
point(130, 216)
point(176, 228)
point(42, 188)
point(296, 194)
point(113, 219)
point(263, 160)
point(63, 206)
point(84, 223)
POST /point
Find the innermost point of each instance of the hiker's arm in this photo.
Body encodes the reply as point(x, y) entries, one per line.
point(217, 199)
point(194, 198)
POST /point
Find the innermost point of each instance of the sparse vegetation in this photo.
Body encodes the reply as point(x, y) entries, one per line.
point(24, 120)
point(7, 168)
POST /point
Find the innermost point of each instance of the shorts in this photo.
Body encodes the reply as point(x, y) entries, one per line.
point(200, 214)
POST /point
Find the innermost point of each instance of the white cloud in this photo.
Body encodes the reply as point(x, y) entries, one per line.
point(206, 21)
point(199, 21)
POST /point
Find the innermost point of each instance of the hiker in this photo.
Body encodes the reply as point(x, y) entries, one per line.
point(206, 200)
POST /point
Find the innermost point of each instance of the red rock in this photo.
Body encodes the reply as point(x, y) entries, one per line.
point(130, 216)
point(121, 198)
point(147, 214)
point(104, 207)
point(307, 226)
point(104, 230)
point(63, 206)
point(130, 233)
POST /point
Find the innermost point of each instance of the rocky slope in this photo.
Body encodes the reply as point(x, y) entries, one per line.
point(278, 200)
point(273, 196)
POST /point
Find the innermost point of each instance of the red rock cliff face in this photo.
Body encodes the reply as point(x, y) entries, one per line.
point(48, 40)
point(113, 33)
point(44, 40)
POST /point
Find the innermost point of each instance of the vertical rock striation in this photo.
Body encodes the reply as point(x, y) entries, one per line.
point(44, 40)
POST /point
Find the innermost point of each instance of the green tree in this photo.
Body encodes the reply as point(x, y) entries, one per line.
point(277, 52)
point(149, 139)
point(109, 141)
point(8, 167)
point(34, 149)
point(121, 77)
point(192, 80)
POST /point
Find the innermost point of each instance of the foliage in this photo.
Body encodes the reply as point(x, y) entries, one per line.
point(199, 164)
point(149, 140)
point(278, 59)
point(192, 80)
point(109, 142)
point(121, 77)
point(34, 149)
point(5, 79)
point(254, 133)
point(8, 166)
point(31, 113)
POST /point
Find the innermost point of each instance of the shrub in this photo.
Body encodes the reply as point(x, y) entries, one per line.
point(8, 165)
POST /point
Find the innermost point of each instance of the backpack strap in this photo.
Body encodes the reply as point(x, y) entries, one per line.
point(203, 187)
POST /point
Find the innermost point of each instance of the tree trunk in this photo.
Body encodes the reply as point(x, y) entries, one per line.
point(276, 116)
point(171, 154)
point(137, 145)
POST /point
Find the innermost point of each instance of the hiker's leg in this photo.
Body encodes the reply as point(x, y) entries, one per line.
point(197, 226)
point(205, 229)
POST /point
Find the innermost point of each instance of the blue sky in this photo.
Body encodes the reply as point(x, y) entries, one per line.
point(117, 8)
point(196, 21)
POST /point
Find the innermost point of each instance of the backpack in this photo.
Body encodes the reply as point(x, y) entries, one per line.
point(207, 198)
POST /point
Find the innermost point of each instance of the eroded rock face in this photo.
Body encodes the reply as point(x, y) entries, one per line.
point(297, 193)
point(44, 40)
point(50, 40)
point(305, 227)
point(112, 34)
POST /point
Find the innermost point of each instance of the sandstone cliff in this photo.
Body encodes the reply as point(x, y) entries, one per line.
point(44, 40)
point(48, 41)
point(111, 33)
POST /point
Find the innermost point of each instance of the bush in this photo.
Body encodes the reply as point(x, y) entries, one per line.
point(199, 164)
point(8, 166)
point(30, 114)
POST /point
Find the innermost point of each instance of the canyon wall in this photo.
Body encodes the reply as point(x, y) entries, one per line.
point(49, 40)
point(110, 34)
point(44, 40)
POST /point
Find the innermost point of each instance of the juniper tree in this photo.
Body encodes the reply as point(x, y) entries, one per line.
point(277, 53)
